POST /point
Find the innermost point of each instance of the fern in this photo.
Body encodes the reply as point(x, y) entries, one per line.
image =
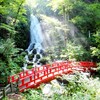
point(10, 30)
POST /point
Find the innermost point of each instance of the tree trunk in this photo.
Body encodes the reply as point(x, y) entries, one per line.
point(17, 13)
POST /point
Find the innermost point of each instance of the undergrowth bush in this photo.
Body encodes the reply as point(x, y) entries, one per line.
point(72, 51)
point(79, 87)
point(9, 60)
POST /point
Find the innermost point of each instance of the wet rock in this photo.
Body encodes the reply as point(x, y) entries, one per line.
point(47, 90)
point(56, 87)
point(31, 46)
point(43, 61)
point(14, 96)
point(59, 79)
point(38, 56)
point(30, 57)
point(34, 51)
point(42, 52)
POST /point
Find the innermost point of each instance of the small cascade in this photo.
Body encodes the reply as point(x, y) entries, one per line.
point(35, 49)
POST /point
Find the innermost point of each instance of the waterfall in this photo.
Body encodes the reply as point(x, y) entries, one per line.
point(36, 38)
point(35, 47)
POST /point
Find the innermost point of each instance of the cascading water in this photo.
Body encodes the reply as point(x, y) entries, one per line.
point(35, 34)
point(35, 48)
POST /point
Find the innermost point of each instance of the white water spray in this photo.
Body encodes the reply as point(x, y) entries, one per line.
point(36, 38)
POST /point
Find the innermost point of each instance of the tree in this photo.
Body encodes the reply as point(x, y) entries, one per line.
point(96, 49)
point(84, 14)
point(12, 12)
point(7, 52)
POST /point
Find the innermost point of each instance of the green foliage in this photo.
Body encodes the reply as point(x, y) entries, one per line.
point(44, 60)
point(33, 95)
point(29, 67)
point(7, 31)
point(80, 84)
point(38, 7)
point(79, 87)
point(7, 49)
point(71, 51)
point(84, 15)
point(59, 45)
point(87, 17)
point(12, 8)
point(13, 23)
point(22, 36)
point(7, 63)
point(12, 15)
point(75, 51)
point(95, 52)
point(5, 98)
point(56, 33)
point(19, 59)
point(96, 49)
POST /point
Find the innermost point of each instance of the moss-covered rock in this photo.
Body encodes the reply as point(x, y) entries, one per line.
point(38, 56)
point(44, 61)
point(31, 56)
point(29, 67)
